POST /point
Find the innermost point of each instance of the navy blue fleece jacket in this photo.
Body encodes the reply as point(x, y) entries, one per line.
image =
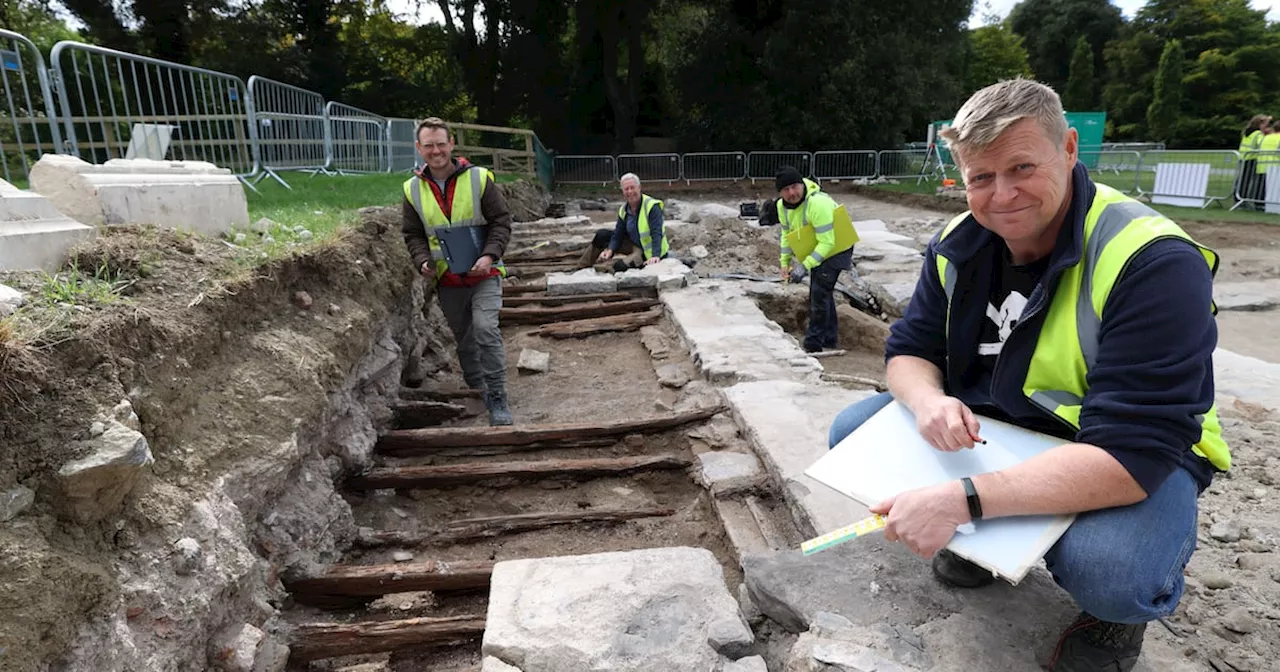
point(1154, 372)
point(628, 228)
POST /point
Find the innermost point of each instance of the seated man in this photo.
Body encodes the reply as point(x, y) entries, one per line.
point(637, 237)
point(1098, 311)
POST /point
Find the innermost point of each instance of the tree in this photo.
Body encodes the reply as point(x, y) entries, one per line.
point(997, 54)
point(1080, 92)
point(1052, 27)
point(1162, 115)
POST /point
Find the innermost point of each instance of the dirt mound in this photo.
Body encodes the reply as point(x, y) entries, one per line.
point(528, 199)
point(734, 246)
point(229, 375)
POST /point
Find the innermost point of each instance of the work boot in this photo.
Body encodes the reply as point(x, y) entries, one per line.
point(957, 572)
point(1091, 645)
point(499, 412)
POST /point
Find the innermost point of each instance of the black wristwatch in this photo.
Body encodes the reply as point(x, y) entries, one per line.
point(971, 496)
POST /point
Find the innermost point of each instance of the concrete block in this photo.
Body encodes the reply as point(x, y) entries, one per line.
point(33, 234)
point(725, 473)
point(188, 195)
point(585, 281)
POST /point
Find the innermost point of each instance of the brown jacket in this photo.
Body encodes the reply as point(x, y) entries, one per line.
point(493, 207)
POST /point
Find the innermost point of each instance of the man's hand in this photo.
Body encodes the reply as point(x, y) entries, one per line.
point(427, 271)
point(651, 261)
point(925, 519)
point(946, 423)
point(606, 255)
point(785, 274)
point(482, 265)
point(798, 274)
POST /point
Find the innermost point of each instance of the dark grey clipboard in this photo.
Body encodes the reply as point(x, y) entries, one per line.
point(461, 246)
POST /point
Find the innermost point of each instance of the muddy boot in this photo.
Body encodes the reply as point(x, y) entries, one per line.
point(957, 572)
point(1091, 645)
point(499, 412)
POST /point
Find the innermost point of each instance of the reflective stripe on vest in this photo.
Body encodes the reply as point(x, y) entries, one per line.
point(465, 212)
point(1116, 229)
point(811, 190)
point(642, 222)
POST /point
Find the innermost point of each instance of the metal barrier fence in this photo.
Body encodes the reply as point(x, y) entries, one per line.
point(1257, 184)
point(357, 140)
point(905, 164)
point(844, 165)
point(1191, 178)
point(403, 153)
point(32, 129)
point(1118, 169)
point(764, 165)
point(707, 166)
point(290, 123)
point(650, 167)
point(586, 169)
point(120, 105)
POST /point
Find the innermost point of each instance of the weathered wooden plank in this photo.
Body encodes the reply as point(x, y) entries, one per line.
point(598, 325)
point(375, 580)
point(424, 441)
point(523, 287)
point(481, 528)
point(313, 641)
point(455, 474)
point(438, 394)
point(417, 414)
point(513, 301)
point(543, 315)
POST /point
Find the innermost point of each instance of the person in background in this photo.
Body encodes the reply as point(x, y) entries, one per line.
point(1249, 186)
point(637, 238)
point(451, 192)
point(801, 202)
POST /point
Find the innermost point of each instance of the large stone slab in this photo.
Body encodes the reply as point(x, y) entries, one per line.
point(33, 234)
point(666, 274)
point(787, 424)
point(585, 281)
point(871, 599)
point(732, 340)
point(651, 609)
point(1246, 378)
point(1246, 295)
point(187, 195)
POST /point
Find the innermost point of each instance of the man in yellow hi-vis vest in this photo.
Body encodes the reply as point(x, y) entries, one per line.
point(1063, 306)
point(801, 202)
point(447, 192)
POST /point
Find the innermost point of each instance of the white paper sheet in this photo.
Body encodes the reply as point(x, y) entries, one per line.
point(887, 455)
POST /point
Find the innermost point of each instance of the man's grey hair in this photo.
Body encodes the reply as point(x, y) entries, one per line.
point(992, 110)
point(629, 176)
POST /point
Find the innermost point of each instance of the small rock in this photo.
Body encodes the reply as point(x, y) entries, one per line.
point(673, 376)
point(123, 414)
point(1216, 580)
point(751, 664)
point(273, 656)
point(334, 309)
point(533, 361)
point(302, 300)
point(97, 429)
point(1239, 620)
point(662, 406)
point(268, 239)
point(263, 225)
point(399, 512)
point(95, 486)
point(730, 637)
point(747, 606)
point(1259, 493)
point(402, 556)
point(634, 440)
point(14, 501)
point(305, 235)
point(10, 300)
point(187, 556)
point(1227, 531)
point(724, 472)
point(236, 649)
point(239, 239)
point(699, 252)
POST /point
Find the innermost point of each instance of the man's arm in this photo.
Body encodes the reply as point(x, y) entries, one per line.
point(655, 230)
point(415, 235)
point(1152, 379)
point(494, 208)
point(822, 219)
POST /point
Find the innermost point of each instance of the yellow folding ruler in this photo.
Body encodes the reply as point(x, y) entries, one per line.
point(865, 526)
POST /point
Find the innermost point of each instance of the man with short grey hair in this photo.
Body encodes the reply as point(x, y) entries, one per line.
point(637, 237)
point(1063, 306)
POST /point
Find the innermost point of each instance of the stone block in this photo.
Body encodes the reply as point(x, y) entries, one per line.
point(188, 195)
point(10, 300)
point(893, 296)
point(14, 501)
point(650, 609)
point(492, 664)
point(533, 361)
point(669, 273)
point(236, 648)
point(33, 234)
point(1246, 295)
point(95, 486)
point(585, 281)
point(751, 664)
point(672, 375)
point(724, 472)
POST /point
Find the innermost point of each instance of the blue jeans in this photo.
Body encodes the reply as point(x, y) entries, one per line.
point(823, 330)
point(1123, 564)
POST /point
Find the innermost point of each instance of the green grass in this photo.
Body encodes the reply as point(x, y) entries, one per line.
point(1124, 181)
point(76, 286)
